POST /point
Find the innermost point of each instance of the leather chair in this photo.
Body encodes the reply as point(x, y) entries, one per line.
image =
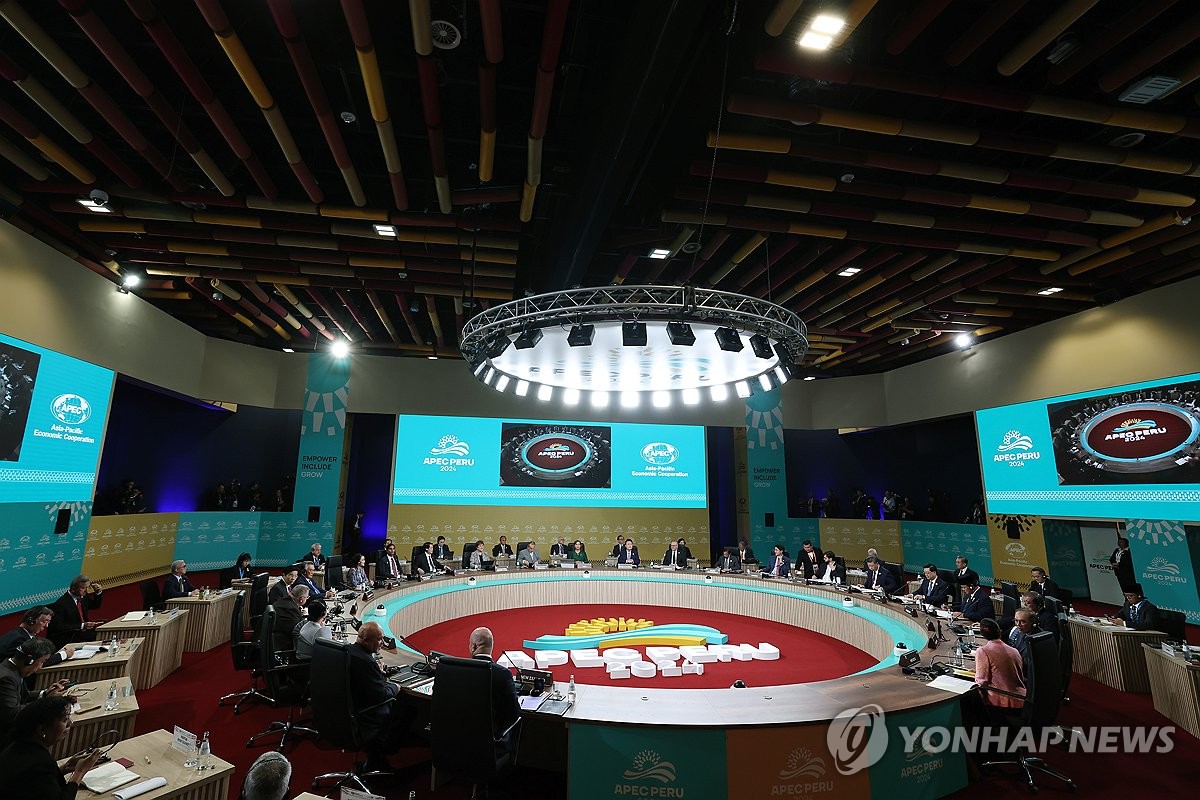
point(245, 657)
point(1172, 624)
point(1042, 699)
point(462, 733)
point(287, 682)
point(258, 600)
point(334, 713)
point(417, 552)
point(152, 596)
point(897, 571)
point(335, 576)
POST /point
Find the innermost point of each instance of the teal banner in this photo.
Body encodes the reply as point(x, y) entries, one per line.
point(214, 539)
point(767, 478)
point(283, 539)
point(1162, 558)
point(37, 564)
point(941, 542)
point(1064, 552)
point(615, 761)
point(916, 761)
point(322, 440)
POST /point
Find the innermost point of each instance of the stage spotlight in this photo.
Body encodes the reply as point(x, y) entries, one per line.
point(781, 375)
point(522, 388)
point(497, 345)
point(719, 393)
point(660, 399)
point(680, 333)
point(528, 338)
point(502, 383)
point(729, 339)
point(581, 335)
point(599, 399)
point(340, 348)
point(571, 397)
point(761, 346)
point(691, 397)
point(633, 333)
point(544, 393)
point(764, 381)
point(742, 388)
point(630, 399)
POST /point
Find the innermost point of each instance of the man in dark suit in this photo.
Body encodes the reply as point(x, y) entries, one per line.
point(729, 561)
point(14, 694)
point(1122, 564)
point(308, 578)
point(177, 583)
point(811, 559)
point(673, 558)
point(424, 563)
point(505, 708)
point(503, 549)
point(70, 621)
point(683, 548)
point(834, 571)
point(1044, 618)
point(1138, 613)
point(379, 720)
point(283, 585)
point(441, 550)
point(976, 604)
point(963, 573)
point(1041, 583)
point(935, 590)
point(314, 555)
point(778, 565)
point(387, 568)
point(560, 548)
point(619, 546)
point(288, 614)
point(745, 553)
point(880, 578)
point(33, 624)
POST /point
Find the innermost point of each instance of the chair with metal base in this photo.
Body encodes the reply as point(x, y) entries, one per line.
point(245, 658)
point(334, 714)
point(287, 682)
point(1042, 698)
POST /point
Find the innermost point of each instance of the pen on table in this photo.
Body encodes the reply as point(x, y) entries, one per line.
point(86, 710)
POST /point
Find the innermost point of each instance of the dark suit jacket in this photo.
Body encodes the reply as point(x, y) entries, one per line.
point(881, 578)
point(383, 569)
point(31, 773)
point(1147, 617)
point(747, 555)
point(1048, 621)
point(768, 567)
point(18, 636)
point(1123, 569)
point(680, 558)
point(369, 687)
point(231, 574)
point(441, 551)
point(278, 592)
point(172, 589)
point(629, 557)
point(318, 560)
point(13, 697)
point(425, 562)
point(811, 568)
point(66, 626)
point(313, 589)
point(834, 571)
point(1050, 589)
point(287, 617)
point(978, 606)
point(557, 549)
point(961, 576)
point(505, 708)
point(936, 593)
point(502, 549)
point(734, 564)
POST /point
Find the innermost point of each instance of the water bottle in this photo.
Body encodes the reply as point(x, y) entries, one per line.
point(205, 761)
point(150, 615)
point(111, 702)
point(112, 647)
point(571, 690)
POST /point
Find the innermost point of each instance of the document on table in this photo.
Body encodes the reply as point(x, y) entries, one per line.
point(949, 683)
point(531, 702)
point(85, 652)
point(134, 616)
point(108, 777)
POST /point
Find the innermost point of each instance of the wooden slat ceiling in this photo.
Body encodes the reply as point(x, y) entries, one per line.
point(958, 157)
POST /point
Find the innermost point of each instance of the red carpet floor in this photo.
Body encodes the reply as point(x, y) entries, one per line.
point(804, 656)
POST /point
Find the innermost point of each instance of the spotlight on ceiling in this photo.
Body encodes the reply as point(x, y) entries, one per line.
point(963, 340)
point(633, 333)
point(528, 338)
point(659, 253)
point(581, 335)
point(130, 280)
point(340, 348)
point(761, 346)
point(96, 201)
point(729, 339)
point(385, 230)
point(680, 333)
point(827, 24)
point(414, 306)
point(810, 377)
point(742, 388)
point(497, 345)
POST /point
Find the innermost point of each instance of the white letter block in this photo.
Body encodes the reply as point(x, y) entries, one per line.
point(520, 660)
point(766, 652)
point(690, 668)
point(743, 652)
point(550, 658)
point(698, 654)
point(586, 658)
point(671, 671)
point(617, 672)
point(724, 652)
point(643, 669)
point(622, 655)
point(657, 654)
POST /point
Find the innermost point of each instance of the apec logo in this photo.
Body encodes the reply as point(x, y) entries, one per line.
point(71, 409)
point(1015, 448)
point(660, 453)
point(449, 454)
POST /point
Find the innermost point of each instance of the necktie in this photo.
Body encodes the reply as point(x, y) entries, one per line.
point(79, 608)
point(778, 564)
point(1133, 615)
point(392, 565)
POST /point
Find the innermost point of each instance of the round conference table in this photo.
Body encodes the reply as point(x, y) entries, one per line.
point(763, 741)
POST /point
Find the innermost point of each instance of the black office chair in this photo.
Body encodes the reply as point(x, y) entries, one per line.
point(1066, 656)
point(287, 682)
point(334, 714)
point(335, 576)
point(152, 596)
point(1172, 624)
point(462, 733)
point(1009, 589)
point(245, 657)
point(1040, 711)
point(412, 560)
point(1065, 596)
point(258, 600)
point(897, 571)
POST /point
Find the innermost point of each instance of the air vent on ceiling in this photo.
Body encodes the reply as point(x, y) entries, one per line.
point(446, 35)
point(1128, 140)
point(1148, 89)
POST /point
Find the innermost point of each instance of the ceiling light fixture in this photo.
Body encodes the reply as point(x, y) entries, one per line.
point(629, 341)
point(92, 205)
point(827, 24)
point(659, 253)
point(815, 41)
point(288, 350)
point(963, 340)
point(130, 280)
point(340, 348)
point(1050, 290)
point(810, 377)
point(849, 271)
point(385, 230)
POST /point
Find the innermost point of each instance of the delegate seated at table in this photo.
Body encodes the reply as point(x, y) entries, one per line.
point(878, 577)
point(70, 622)
point(729, 561)
point(33, 624)
point(578, 553)
point(28, 764)
point(673, 558)
point(529, 556)
point(1138, 613)
point(177, 583)
point(629, 554)
point(779, 565)
point(976, 603)
point(387, 568)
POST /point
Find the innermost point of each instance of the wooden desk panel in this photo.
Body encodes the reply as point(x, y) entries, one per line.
point(1175, 686)
point(100, 667)
point(163, 645)
point(182, 783)
point(1111, 654)
point(207, 620)
point(86, 727)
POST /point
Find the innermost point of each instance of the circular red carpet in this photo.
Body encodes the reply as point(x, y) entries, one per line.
point(804, 656)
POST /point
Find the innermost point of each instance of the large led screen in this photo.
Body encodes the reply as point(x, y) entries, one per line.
point(502, 462)
point(1126, 452)
point(52, 415)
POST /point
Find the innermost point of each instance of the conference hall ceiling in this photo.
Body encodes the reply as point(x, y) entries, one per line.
point(287, 172)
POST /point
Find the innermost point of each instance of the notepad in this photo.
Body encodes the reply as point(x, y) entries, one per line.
point(555, 707)
point(949, 683)
point(531, 702)
point(107, 777)
point(134, 616)
point(84, 652)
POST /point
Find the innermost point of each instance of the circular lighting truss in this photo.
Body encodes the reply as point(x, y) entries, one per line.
point(629, 344)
